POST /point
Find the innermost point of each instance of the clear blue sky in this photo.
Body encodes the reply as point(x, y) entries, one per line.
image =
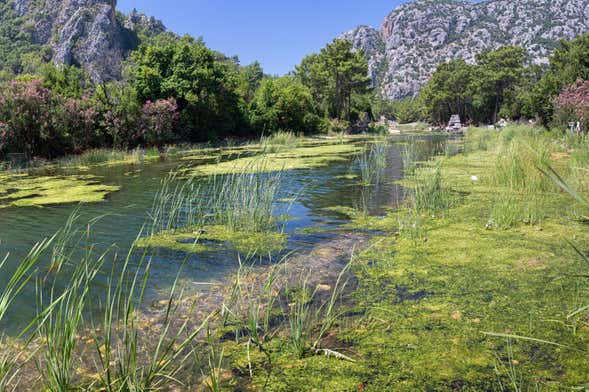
point(278, 33)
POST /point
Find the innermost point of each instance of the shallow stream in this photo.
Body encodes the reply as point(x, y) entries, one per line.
point(125, 212)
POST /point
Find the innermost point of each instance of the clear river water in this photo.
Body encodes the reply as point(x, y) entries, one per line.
point(125, 212)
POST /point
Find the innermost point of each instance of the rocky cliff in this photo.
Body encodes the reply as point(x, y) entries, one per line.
point(88, 33)
point(419, 35)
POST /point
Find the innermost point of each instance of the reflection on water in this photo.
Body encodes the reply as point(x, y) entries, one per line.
point(125, 213)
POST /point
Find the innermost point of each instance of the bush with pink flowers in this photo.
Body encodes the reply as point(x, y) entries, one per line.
point(39, 122)
point(27, 110)
point(158, 120)
point(572, 105)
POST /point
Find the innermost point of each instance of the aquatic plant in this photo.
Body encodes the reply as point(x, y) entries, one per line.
point(409, 156)
point(279, 141)
point(128, 362)
point(62, 321)
point(9, 355)
point(215, 364)
point(430, 194)
point(372, 162)
point(243, 201)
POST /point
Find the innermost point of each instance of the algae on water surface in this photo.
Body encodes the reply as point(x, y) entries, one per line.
point(21, 190)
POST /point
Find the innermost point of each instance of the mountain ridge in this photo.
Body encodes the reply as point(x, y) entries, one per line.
point(417, 36)
point(88, 33)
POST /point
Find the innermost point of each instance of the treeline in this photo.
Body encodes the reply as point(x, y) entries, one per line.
point(179, 90)
point(504, 84)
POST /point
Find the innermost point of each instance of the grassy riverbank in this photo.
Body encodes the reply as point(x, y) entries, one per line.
point(475, 282)
point(483, 250)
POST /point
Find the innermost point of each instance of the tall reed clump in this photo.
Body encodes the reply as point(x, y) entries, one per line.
point(63, 319)
point(10, 355)
point(372, 162)
point(279, 141)
point(128, 359)
point(430, 194)
point(243, 201)
point(517, 161)
point(410, 156)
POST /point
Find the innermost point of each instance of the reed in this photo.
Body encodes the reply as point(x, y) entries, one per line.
point(10, 364)
point(373, 162)
point(430, 194)
point(243, 201)
point(279, 141)
point(128, 362)
point(409, 156)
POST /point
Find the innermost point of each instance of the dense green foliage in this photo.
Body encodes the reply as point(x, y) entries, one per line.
point(567, 65)
point(283, 103)
point(479, 92)
point(338, 82)
point(502, 84)
point(205, 88)
point(179, 90)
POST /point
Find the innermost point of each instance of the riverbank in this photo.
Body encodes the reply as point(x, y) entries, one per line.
point(465, 280)
point(450, 282)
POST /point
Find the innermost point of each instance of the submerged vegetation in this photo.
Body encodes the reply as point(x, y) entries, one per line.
point(238, 208)
point(459, 265)
point(469, 282)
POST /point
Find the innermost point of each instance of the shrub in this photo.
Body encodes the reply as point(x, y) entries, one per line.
point(158, 120)
point(79, 124)
point(27, 109)
point(573, 104)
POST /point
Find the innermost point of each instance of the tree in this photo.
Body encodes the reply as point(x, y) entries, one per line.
point(283, 104)
point(497, 76)
point(449, 91)
point(250, 78)
point(204, 88)
point(567, 65)
point(495, 85)
point(69, 81)
point(338, 80)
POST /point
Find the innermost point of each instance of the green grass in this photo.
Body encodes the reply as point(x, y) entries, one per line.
point(430, 194)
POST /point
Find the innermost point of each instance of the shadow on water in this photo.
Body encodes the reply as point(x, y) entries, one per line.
point(124, 215)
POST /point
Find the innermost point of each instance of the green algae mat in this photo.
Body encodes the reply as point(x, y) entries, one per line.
point(211, 238)
point(28, 191)
point(308, 156)
point(452, 302)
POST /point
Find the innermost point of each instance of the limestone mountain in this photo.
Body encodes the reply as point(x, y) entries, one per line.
point(88, 33)
point(419, 35)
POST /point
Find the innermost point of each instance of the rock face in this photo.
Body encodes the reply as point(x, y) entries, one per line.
point(88, 33)
point(419, 35)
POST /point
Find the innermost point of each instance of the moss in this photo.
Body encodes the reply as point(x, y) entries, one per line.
point(28, 191)
point(306, 157)
point(211, 237)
